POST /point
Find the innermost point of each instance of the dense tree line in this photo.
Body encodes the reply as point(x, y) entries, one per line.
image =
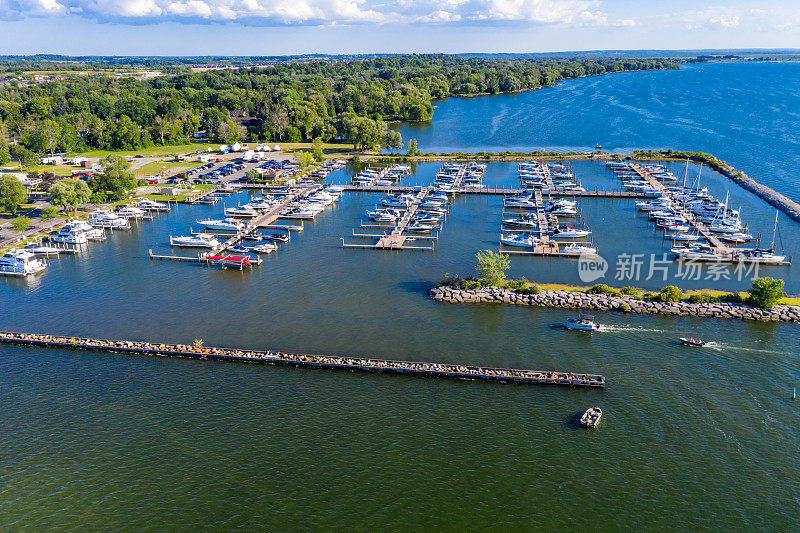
point(333, 100)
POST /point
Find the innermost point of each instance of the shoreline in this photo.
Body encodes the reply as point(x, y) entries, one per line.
point(607, 302)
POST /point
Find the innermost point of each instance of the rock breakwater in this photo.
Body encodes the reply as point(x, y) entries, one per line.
point(607, 302)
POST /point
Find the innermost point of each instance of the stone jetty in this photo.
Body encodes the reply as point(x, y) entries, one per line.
point(607, 302)
point(322, 361)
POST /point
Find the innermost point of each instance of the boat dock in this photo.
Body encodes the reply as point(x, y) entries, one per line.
point(417, 368)
point(263, 220)
point(397, 238)
point(724, 251)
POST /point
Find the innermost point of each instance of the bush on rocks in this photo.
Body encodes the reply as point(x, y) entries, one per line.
point(602, 288)
point(765, 293)
point(670, 294)
point(630, 291)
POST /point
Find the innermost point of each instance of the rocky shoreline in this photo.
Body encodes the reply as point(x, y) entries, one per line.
point(607, 302)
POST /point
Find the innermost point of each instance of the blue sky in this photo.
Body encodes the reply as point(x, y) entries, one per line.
point(272, 27)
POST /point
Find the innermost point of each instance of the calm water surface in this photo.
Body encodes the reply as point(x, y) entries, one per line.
point(692, 438)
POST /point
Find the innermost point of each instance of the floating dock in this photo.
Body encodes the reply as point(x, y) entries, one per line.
point(443, 370)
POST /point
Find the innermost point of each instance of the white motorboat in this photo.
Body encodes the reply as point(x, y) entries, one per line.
point(395, 201)
point(524, 221)
point(41, 249)
point(569, 232)
point(383, 215)
point(684, 237)
point(579, 249)
point(591, 418)
point(200, 240)
point(20, 262)
point(264, 248)
point(151, 205)
point(699, 253)
point(519, 240)
point(130, 211)
point(583, 322)
point(69, 234)
point(736, 238)
point(221, 225)
point(106, 219)
point(243, 211)
point(524, 201)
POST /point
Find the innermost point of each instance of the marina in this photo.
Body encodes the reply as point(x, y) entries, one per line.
point(103, 440)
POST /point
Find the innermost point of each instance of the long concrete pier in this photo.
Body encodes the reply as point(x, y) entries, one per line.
point(444, 370)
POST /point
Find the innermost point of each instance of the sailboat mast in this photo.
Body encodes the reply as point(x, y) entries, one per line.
point(774, 229)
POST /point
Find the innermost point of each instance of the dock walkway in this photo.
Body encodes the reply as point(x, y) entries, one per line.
point(445, 370)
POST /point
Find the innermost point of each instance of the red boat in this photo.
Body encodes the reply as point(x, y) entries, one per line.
point(233, 261)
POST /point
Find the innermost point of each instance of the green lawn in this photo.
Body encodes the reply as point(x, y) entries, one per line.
point(155, 151)
point(151, 169)
point(200, 187)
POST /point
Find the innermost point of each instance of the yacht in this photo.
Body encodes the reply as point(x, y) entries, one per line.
point(591, 418)
point(569, 232)
point(519, 240)
point(524, 201)
point(41, 249)
point(524, 221)
point(243, 211)
point(151, 205)
point(277, 237)
point(221, 225)
point(684, 237)
point(758, 255)
point(736, 238)
point(579, 249)
point(130, 211)
point(20, 262)
point(383, 215)
point(699, 253)
point(200, 240)
point(396, 201)
point(264, 248)
point(92, 233)
point(69, 235)
point(106, 219)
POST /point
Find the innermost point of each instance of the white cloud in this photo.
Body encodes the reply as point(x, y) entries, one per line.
point(724, 22)
point(271, 12)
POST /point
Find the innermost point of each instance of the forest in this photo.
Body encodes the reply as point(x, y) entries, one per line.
point(335, 100)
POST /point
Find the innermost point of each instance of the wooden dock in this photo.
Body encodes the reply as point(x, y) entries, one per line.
point(414, 368)
point(498, 191)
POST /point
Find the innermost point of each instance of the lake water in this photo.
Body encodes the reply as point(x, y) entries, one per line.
point(691, 438)
point(745, 113)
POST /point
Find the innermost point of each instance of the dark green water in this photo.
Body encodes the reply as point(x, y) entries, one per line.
point(691, 438)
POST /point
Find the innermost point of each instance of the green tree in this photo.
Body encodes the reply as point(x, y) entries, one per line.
point(316, 146)
point(293, 134)
point(492, 266)
point(12, 194)
point(305, 159)
point(21, 223)
point(765, 292)
point(412, 147)
point(253, 175)
point(69, 193)
point(116, 180)
point(25, 157)
point(392, 140)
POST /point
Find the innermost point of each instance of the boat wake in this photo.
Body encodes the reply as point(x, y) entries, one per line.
point(626, 329)
point(721, 346)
